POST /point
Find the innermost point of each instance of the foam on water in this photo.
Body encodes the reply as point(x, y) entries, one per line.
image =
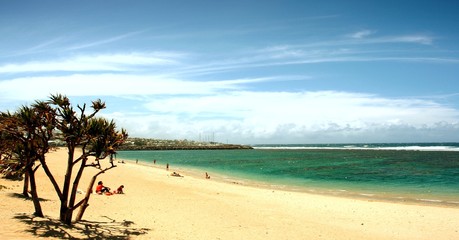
point(401, 148)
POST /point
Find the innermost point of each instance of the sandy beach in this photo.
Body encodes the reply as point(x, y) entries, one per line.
point(159, 206)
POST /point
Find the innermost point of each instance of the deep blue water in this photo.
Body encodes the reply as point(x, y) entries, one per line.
point(414, 172)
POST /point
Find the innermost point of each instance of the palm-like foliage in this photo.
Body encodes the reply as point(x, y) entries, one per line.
point(10, 165)
point(25, 136)
point(103, 140)
point(97, 138)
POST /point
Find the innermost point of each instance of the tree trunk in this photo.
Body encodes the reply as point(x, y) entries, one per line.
point(85, 204)
point(25, 189)
point(86, 198)
point(65, 189)
point(71, 204)
point(50, 176)
point(33, 192)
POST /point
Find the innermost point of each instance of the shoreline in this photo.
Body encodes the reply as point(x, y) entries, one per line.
point(158, 206)
point(393, 197)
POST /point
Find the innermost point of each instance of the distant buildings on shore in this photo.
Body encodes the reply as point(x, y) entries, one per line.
point(159, 144)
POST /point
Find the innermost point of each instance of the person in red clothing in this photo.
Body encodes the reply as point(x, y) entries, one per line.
point(101, 188)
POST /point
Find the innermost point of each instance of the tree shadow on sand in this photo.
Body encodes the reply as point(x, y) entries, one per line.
point(47, 227)
point(20, 195)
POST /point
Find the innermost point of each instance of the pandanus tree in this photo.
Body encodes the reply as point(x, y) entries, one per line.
point(11, 148)
point(96, 137)
point(102, 145)
point(10, 165)
point(25, 136)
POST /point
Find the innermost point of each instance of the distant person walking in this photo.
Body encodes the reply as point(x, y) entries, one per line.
point(167, 167)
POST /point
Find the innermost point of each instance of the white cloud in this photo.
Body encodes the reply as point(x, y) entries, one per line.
point(102, 62)
point(29, 88)
point(419, 39)
point(308, 108)
point(361, 34)
point(184, 109)
point(293, 116)
point(362, 37)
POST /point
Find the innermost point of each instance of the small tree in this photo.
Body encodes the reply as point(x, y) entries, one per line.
point(10, 166)
point(102, 145)
point(25, 136)
point(96, 137)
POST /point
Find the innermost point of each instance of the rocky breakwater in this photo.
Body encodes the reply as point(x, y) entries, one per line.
point(155, 144)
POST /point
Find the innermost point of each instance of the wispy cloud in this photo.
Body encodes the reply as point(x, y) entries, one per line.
point(105, 62)
point(41, 47)
point(341, 50)
point(103, 41)
point(361, 34)
point(368, 37)
point(362, 38)
point(115, 85)
point(416, 38)
point(226, 106)
point(365, 49)
point(361, 46)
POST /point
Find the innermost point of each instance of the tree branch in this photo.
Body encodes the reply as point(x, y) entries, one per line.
point(36, 168)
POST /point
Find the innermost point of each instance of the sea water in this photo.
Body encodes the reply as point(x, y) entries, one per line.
point(426, 173)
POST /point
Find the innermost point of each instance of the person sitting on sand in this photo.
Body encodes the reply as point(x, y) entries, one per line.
point(174, 174)
point(207, 176)
point(120, 190)
point(101, 188)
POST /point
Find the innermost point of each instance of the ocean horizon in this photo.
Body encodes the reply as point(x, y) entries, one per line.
point(409, 172)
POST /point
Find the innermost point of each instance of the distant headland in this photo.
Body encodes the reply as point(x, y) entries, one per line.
point(158, 144)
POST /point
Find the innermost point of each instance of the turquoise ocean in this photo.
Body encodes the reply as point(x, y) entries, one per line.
point(421, 172)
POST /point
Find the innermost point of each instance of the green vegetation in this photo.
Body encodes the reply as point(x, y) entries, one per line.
point(25, 138)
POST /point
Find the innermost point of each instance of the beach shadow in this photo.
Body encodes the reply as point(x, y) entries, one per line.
point(47, 227)
point(20, 195)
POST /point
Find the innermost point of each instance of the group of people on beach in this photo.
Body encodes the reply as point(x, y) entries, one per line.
point(174, 174)
point(101, 189)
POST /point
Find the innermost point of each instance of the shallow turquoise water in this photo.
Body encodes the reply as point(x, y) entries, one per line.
point(414, 175)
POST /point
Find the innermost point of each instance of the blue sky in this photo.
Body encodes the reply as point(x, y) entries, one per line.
point(243, 71)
